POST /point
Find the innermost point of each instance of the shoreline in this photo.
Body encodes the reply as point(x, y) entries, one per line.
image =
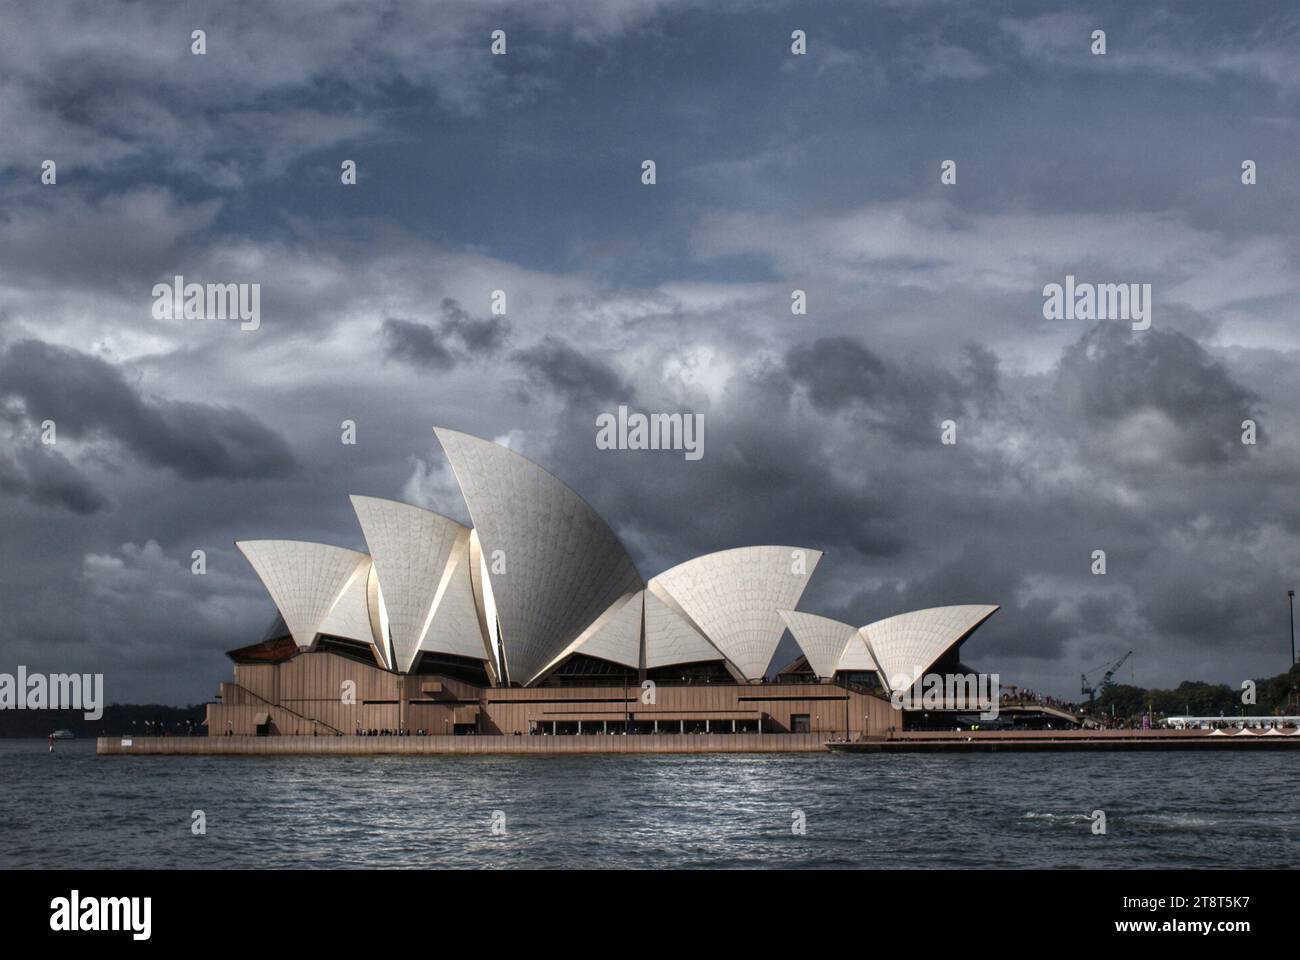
point(462, 745)
point(920, 742)
point(995, 741)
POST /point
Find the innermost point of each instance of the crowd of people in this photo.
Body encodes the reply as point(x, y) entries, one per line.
point(399, 732)
point(1027, 697)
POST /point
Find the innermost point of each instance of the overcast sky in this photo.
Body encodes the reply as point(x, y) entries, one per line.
point(775, 172)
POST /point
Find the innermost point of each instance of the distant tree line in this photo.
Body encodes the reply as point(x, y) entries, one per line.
point(119, 719)
point(1273, 696)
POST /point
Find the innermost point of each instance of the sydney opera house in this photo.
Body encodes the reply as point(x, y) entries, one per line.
point(536, 621)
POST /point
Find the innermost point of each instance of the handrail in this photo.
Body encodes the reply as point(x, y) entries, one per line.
point(280, 706)
point(856, 687)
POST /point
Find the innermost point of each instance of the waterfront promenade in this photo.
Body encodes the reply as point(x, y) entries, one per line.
point(983, 741)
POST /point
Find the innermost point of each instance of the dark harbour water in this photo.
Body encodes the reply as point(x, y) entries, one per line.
point(76, 809)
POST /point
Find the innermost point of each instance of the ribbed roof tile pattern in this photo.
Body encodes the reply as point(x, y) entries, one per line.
point(856, 656)
point(669, 639)
point(563, 564)
point(350, 616)
point(617, 637)
point(455, 627)
point(906, 646)
point(304, 579)
point(410, 547)
point(822, 640)
point(733, 596)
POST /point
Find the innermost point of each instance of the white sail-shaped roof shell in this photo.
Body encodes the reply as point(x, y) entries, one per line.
point(856, 657)
point(553, 563)
point(411, 548)
point(733, 597)
point(349, 618)
point(906, 646)
point(669, 637)
point(304, 579)
point(485, 605)
point(378, 619)
point(823, 641)
point(614, 636)
point(455, 626)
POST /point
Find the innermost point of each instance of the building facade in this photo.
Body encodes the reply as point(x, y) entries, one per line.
point(536, 621)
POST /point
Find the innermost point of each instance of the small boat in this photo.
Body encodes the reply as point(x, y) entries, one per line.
point(63, 735)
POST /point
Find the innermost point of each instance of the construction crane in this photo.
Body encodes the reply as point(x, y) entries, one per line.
point(1106, 681)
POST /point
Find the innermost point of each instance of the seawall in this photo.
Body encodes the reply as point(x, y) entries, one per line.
point(984, 741)
point(463, 745)
point(1000, 741)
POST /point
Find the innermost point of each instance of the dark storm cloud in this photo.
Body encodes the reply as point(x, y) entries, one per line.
point(439, 345)
point(416, 343)
point(85, 395)
point(1201, 607)
point(980, 374)
point(765, 477)
point(980, 522)
point(838, 371)
point(1112, 373)
point(579, 378)
point(132, 99)
point(841, 373)
point(1031, 627)
point(113, 241)
point(482, 336)
point(45, 477)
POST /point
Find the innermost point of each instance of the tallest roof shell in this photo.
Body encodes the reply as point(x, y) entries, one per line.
point(553, 562)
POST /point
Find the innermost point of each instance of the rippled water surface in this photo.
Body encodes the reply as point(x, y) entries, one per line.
point(76, 809)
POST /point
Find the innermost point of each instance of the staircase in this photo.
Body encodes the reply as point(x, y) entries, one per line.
point(288, 710)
